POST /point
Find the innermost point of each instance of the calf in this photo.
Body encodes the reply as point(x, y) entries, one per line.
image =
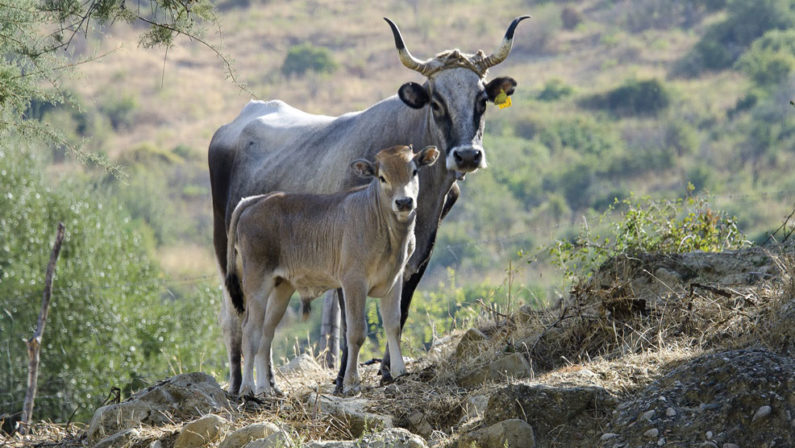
point(358, 240)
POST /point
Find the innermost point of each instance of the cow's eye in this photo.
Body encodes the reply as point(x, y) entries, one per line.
point(415, 172)
point(381, 178)
point(436, 107)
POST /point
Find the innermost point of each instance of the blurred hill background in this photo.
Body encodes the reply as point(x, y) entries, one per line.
point(683, 102)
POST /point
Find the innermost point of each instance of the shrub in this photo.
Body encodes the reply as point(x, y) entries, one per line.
point(633, 98)
point(553, 90)
point(646, 225)
point(306, 57)
point(570, 18)
point(770, 59)
point(120, 110)
point(724, 42)
point(108, 324)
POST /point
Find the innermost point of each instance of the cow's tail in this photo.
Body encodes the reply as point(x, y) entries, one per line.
point(306, 308)
point(233, 285)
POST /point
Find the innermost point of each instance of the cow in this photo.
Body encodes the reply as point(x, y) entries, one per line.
point(272, 146)
point(358, 240)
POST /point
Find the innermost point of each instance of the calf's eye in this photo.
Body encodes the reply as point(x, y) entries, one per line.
point(381, 178)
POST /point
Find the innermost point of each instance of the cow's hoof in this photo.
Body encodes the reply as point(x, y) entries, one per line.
point(352, 391)
point(246, 390)
point(338, 389)
point(386, 378)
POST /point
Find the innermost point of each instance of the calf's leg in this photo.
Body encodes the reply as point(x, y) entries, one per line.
point(344, 344)
point(251, 337)
point(390, 313)
point(355, 296)
point(274, 311)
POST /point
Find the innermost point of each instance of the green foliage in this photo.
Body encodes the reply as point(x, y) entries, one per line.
point(633, 98)
point(770, 59)
point(119, 109)
point(306, 57)
point(554, 89)
point(112, 321)
point(724, 42)
point(646, 225)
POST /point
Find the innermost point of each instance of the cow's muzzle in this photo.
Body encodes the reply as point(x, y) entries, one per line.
point(404, 204)
point(466, 159)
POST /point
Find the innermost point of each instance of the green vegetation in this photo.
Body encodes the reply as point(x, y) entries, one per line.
point(596, 122)
point(306, 57)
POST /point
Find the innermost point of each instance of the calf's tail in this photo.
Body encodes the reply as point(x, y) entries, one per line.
point(233, 285)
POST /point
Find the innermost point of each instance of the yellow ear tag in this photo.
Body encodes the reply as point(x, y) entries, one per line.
point(502, 100)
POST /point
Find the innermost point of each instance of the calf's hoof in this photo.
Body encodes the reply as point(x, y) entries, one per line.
point(350, 391)
point(246, 390)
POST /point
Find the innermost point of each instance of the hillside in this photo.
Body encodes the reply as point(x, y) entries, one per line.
point(649, 126)
point(654, 350)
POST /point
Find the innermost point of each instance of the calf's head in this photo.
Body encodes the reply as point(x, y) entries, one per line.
point(396, 173)
point(456, 94)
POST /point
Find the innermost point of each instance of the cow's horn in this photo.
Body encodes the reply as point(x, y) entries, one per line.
point(505, 47)
point(405, 56)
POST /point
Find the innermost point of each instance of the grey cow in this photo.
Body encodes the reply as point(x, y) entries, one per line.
point(358, 240)
point(272, 146)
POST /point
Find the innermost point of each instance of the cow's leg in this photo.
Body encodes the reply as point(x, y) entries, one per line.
point(344, 344)
point(231, 326)
point(390, 313)
point(355, 293)
point(330, 329)
point(277, 304)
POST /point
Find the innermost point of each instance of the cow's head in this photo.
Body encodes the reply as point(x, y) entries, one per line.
point(456, 94)
point(395, 173)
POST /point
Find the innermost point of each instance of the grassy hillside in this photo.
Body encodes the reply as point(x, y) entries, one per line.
point(616, 100)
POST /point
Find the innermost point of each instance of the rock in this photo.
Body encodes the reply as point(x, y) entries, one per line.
point(651, 433)
point(670, 412)
point(730, 445)
point(390, 438)
point(201, 432)
point(762, 412)
point(513, 433)
point(350, 410)
point(648, 415)
point(176, 399)
point(469, 344)
point(122, 439)
point(474, 407)
point(278, 439)
point(248, 433)
point(510, 366)
point(608, 436)
point(565, 409)
point(301, 365)
point(717, 396)
point(418, 424)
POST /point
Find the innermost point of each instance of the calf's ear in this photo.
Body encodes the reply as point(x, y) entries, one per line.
point(427, 156)
point(363, 168)
point(497, 85)
point(413, 95)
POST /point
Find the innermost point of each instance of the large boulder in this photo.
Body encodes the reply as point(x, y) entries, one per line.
point(569, 411)
point(180, 398)
point(733, 398)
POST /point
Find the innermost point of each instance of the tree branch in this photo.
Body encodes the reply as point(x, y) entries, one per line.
point(34, 343)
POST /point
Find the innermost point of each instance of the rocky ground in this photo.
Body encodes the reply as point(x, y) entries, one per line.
point(691, 350)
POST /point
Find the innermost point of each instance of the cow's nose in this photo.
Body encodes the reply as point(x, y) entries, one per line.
point(469, 158)
point(404, 204)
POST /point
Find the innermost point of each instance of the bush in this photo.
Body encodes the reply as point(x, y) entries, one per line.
point(110, 321)
point(306, 57)
point(644, 98)
point(554, 89)
point(570, 18)
point(120, 110)
point(724, 42)
point(646, 225)
point(770, 59)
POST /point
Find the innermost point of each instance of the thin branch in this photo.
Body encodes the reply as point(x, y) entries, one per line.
point(34, 343)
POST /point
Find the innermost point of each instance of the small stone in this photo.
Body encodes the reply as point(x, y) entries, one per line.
point(651, 433)
point(278, 439)
point(391, 390)
point(661, 442)
point(670, 412)
point(248, 433)
point(608, 436)
point(201, 432)
point(762, 412)
point(709, 435)
point(648, 415)
point(730, 445)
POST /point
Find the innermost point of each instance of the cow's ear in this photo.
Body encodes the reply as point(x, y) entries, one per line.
point(363, 168)
point(413, 95)
point(427, 156)
point(497, 85)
